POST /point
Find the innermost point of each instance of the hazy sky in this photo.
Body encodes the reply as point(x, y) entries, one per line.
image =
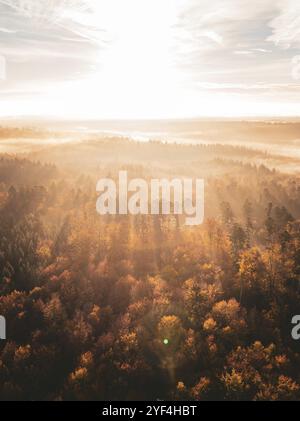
point(149, 58)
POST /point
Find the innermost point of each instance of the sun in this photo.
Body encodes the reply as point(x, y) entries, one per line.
point(136, 72)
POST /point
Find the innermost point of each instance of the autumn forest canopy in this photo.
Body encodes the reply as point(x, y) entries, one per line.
point(143, 307)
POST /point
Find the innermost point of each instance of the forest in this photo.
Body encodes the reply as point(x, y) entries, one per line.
point(143, 307)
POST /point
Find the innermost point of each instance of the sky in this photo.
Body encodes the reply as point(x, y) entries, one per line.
point(131, 59)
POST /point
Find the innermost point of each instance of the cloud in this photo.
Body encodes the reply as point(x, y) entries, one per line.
point(8, 31)
point(286, 25)
point(214, 36)
point(259, 87)
point(46, 10)
point(72, 16)
point(222, 27)
point(261, 50)
point(243, 52)
point(237, 47)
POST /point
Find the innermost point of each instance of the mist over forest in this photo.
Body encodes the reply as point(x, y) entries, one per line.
point(97, 306)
